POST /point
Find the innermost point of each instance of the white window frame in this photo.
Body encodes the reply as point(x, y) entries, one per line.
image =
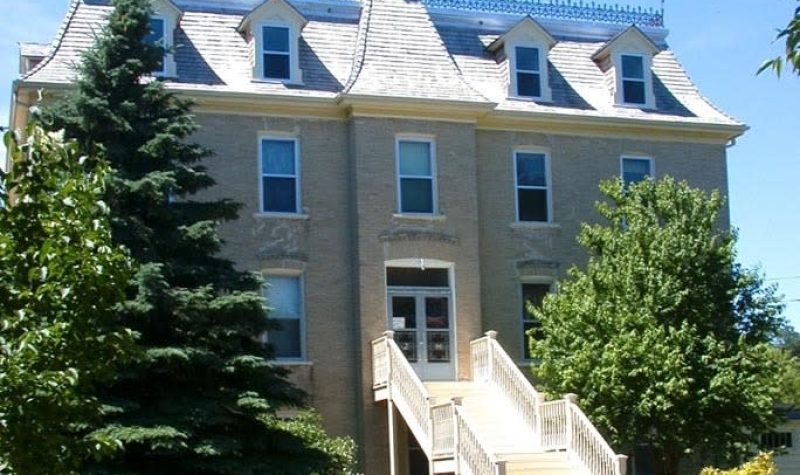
point(647, 80)
point(289, 273)
point(433, 176)
point(548, 178)
point(535, 280)
point(296, 176)
point(544, 89)
point(294, 60)
point(650, 160)
point(165, 39)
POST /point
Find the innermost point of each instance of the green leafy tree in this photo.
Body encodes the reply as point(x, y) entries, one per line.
point(60, 278)
point(663, 336)
point(203, 397)
point(791, 36)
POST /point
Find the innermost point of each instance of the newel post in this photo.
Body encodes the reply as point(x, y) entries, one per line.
point(501, 467)
point(456, 401)
point(389, 336)
point(622, 465)
point(492, 336)
point(537, 411)
point(570, 400)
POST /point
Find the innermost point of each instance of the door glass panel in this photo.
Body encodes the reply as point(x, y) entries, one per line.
point(437, 312)
point(404, 323)
point(407, 341)
point(437, 316)
point(438, 346)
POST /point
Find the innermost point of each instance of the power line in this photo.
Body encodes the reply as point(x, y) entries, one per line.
point(788, 277)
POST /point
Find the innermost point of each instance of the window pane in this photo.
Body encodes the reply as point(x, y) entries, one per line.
point(531, 169)
point(532, 329)
point(416, 277)
point(632, 67)
point(283, 296)
point(633, 92)
point(276, 66)
point(407, 341)
point(405, 308)
point(437, 312)
point(276, 39)
point(156, 34)
point(635, 170)
point(279, 195)
point(529, 84)
point(532, 294)
point(416, 195)
point(438, 346)
point(532, 205)
point(286, 339)
point(415, 158)
point(278, 157)
point(527, 58)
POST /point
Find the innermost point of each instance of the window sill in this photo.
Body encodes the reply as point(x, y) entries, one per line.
point(269, 215)
point(643, 107)
point(534, 225)
point(285, 82)
point(293, 363)
point(538, 100)
point(419, 217)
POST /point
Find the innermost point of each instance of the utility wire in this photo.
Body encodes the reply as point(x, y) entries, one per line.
point(788, 277)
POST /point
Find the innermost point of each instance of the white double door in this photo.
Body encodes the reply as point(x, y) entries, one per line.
point(422, 321)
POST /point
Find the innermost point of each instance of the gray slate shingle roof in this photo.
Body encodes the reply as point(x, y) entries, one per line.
point(395, 49)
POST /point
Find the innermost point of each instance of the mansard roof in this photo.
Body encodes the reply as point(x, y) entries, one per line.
point(397, 49)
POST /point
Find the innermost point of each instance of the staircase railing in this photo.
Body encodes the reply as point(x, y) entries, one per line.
point(472, 458)
point(440, 429)
point(559, 425)
point(391, 369)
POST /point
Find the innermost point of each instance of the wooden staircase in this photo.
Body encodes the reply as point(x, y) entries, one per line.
point(499, 425)
point(496, 424)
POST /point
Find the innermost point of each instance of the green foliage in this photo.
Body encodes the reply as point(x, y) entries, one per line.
point(791, 35)
point(60, 278)
point(202, 397)
point(663, 336)
point(762, 464)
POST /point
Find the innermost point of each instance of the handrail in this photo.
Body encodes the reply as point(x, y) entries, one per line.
point(558, 425)
point(471, 455)
point(497, 368)
point(392, 369)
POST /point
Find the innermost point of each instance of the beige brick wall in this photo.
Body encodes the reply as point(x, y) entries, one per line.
point(319, 246)
point(351, 230)
point(513, 252)
point(453, 239)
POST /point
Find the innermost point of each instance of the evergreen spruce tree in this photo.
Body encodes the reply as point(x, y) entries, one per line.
point(202, 398)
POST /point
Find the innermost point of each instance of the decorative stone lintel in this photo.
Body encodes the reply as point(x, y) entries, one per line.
point(417, 235)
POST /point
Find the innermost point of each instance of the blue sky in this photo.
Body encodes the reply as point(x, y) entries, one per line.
point(721, 43)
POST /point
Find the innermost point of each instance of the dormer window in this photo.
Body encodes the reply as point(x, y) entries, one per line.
point(277, 54)
point(526, 46)
point(627, 60)
point(633, 79)
point(163, 22)
point(156, 37)
point(272, 31)
point(527, 76)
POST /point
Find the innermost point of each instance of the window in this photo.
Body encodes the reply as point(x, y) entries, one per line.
point(532, 187)
point(532, 295)
point(284, 296)
point(527, 71)
point(157, 37)
point(633, 79)
point(416, 176)
point(636, 169)
point(276, 52)
point(776, 440)
point(280, 183)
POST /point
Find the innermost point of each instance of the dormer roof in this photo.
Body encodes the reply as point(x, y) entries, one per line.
point(170, 6)
point(281, 9)
point(526, 29)
point(631, 39)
